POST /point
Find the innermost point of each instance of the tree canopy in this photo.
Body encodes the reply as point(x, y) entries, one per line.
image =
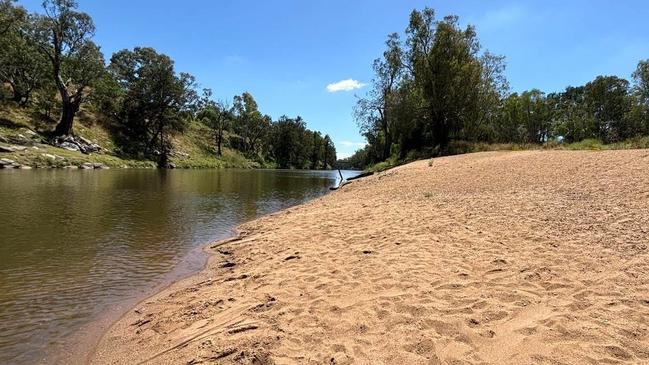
point(435, 89)
point(144, 101)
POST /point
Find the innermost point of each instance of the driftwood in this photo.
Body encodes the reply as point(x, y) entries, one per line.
point(365, 174)
point(342, 182)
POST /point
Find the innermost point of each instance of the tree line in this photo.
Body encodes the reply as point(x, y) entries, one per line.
point(49, 61)
point(436, 90)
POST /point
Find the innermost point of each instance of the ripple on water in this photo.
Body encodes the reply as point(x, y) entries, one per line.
point(74, 243)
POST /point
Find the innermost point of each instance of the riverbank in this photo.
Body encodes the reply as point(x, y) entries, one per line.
point(499, 257)
point(24, 144)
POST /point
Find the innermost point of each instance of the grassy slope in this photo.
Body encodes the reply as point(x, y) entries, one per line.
point(194, 145)
point(465, 147)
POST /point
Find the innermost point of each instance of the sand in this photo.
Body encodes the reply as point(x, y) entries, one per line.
point(535, 257)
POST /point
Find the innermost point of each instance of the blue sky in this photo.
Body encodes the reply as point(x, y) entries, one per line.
point(286, 52)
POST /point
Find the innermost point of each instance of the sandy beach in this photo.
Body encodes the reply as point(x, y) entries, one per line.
point(536, 257)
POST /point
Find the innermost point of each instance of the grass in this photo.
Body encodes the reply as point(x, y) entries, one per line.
point(462, 147)
point(42, 157)
point(193, 149)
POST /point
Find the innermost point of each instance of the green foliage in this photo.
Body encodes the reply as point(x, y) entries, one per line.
point(438, 93)
point(152, 101)
point(10, 16)
point(22, 67)
point(49, 58)
point(250, 125)
point(63, 35)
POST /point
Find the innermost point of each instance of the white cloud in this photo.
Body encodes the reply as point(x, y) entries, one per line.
point(343, 155)
point(352, 144)
point(345, 85)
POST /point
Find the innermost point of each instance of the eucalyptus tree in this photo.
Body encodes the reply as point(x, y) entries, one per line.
point(329, 153)
point(10, 15)
point(641, 81)
point(155, 100)
point(607, 100)
point(22, 67)
point(217, 116)
point(63, 35)
point(374, 113)
point(640, 112)
point(249, 123)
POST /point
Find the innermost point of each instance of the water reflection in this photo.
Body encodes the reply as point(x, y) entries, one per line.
point(73, 242)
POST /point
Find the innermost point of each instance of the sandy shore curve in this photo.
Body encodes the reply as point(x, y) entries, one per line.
point(535, 257)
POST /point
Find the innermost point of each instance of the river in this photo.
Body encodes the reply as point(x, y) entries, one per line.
point(75, 245)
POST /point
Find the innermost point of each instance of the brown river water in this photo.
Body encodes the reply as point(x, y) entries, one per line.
point(75, 245)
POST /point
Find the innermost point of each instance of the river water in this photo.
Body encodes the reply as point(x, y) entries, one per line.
point(74, 244)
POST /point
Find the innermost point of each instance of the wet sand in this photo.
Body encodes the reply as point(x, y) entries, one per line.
point(537, 257)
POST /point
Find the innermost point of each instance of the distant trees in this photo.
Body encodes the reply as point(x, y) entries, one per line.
point(292, 145)
point(250, 125)
point(144, 101)
point(429, 89)
point(217, 116)
point(437, 90)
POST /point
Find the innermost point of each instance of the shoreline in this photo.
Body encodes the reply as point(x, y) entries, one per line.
point(79, 347)
point(431, 262)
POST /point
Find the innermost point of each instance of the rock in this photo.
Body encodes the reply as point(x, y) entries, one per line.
point(29, 132)
point(99, 165)
point(48, 156)
point(25, 167)
point(35, 147)
point(12, 148)
point(85, 140)
point(87, 166)
point(71, 167)
point(6, 162)
point(70, 146)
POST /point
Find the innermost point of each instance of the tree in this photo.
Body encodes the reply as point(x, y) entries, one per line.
point(641, 81)
point(640, 111)
point(64, 36)
point(288, 143)
point(607, 100)
point(22, 66)
point(570, 118)
point(10, 15)
point(374, 113)
point(329, 158)
point(249, 123)
point(435, 87)
point(536, 116)
point(316, 150)
point(154, 100)
point(215, 115)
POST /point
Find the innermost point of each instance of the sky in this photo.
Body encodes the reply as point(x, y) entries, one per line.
point(313, 58)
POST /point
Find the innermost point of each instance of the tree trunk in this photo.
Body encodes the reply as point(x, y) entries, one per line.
point(219, 141)
point(64, 128)
point(18, 98)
